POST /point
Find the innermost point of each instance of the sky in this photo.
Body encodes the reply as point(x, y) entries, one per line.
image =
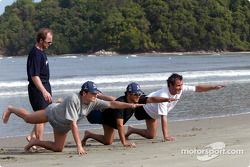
point(4, 3)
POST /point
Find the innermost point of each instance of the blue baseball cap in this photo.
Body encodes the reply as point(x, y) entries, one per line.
point(90, 86)
point(134, 87)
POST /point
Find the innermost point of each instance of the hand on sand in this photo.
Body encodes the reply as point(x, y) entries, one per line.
point(81, 151)
point(169, 138)
point(132, 145)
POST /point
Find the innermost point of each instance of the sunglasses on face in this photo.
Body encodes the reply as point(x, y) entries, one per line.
point(48, 42)
point(136, 94)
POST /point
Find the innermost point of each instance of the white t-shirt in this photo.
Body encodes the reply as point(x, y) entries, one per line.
point(156, 109)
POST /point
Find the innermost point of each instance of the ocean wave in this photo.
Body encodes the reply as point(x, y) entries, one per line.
point(68, 57)
point(117, 82)
point(135, 77)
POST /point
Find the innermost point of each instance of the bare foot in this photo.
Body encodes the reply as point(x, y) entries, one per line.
point(128, 132)
point(86, 136)
point(28, 138)
point(6, 114)
point(31, 143)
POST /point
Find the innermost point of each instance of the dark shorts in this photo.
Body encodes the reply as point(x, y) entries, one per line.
point(98, 117)
point(95, 117)
point(141, 114)
point(36, 98)
point(110, 120)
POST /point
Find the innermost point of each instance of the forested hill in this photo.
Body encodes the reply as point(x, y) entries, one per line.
point(127, 26)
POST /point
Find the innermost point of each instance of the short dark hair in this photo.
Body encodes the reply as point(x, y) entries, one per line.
point(81, 92)
point(172, 79)
point(42, 34)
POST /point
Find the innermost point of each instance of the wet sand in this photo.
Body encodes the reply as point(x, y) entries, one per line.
point(190, 135)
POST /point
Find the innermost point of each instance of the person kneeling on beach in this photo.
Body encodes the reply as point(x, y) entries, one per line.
point(112, 119)
point(64, 116)
point(151, 112)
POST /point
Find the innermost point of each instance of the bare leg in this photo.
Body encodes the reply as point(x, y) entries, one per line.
point(105, 139)
point(148, 133)
point(37, 132)
point(39, 129)
point(86, 137)
point(57, 145)
point(32, 118)
point(129, 131)
point(32, 135)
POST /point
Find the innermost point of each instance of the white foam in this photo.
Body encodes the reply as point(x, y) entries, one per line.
point(91, 55)
point(210, 117)
point(117, 82)
point(68, 57)
point(219, 73)
point(10, 84)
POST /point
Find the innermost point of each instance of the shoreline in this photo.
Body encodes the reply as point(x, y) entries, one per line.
point(190, 135)
point(198, 53)
point(141, 123)
point(107, 54)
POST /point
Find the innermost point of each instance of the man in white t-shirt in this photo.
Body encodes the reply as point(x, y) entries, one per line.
point(150, 112)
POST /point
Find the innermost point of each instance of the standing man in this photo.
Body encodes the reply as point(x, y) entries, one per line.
point(152, 111)
point(39, 88)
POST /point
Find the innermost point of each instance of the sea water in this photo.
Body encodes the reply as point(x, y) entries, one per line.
point(112, 73)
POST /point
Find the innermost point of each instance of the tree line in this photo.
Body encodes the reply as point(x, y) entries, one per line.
point(127, 26)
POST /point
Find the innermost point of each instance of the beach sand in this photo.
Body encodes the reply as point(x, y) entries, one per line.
point(190, 135)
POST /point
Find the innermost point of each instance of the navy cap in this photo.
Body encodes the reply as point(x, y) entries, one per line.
point(134, 88)
point(90, 86)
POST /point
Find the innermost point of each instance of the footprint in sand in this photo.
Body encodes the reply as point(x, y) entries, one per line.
point(8, 158)
point(196, 129)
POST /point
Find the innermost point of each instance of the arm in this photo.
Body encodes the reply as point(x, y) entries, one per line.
point(164, 126)
point(121, 131)
point(105, 97)
point(37, 81)
point(205, 88)
point(122, 105)
point(77, 139)
point(158, 99)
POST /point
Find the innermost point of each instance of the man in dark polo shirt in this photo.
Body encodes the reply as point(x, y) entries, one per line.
point(39, 88)
point(112, 119)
